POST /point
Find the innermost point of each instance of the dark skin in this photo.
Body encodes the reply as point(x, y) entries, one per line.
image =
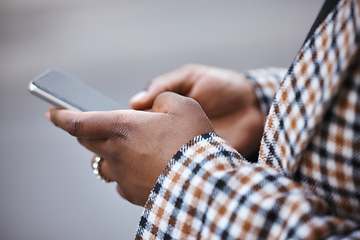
point(137, 145)
point(227, 98)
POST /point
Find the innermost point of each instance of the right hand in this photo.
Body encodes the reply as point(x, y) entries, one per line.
point(227, 98)
point(136, 145)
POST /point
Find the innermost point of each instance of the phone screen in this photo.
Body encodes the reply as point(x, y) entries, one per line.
point(61, 90)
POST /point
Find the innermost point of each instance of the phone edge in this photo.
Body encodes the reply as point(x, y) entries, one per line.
point(33, 89)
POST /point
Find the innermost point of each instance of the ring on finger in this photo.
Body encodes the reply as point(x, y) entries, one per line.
point(96, 166)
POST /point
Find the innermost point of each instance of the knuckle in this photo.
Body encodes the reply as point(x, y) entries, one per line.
point(186, 104)
point(75, 126)
point(191, 103)
point(120, 131)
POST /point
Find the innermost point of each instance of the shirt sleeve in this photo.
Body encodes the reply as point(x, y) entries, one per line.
point(209, 191)
point(266, 82)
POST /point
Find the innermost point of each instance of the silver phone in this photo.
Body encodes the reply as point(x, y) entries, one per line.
point(64, 91)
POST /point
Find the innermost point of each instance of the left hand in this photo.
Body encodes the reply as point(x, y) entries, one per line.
point(136, 145)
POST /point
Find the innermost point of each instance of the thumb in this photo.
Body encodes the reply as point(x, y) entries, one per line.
point(167, 102)
point(179, 81)
point(186, 109)
point(170, 102)
point(145, 98)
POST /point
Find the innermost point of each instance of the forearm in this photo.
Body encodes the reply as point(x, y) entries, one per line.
point(209, 190)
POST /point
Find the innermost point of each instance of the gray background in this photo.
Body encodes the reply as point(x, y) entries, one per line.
point(47, 190)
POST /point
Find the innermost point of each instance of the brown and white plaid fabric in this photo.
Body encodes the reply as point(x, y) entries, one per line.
point(307, 182)
point(266, 82)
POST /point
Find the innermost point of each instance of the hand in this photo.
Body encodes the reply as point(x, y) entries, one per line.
point(136, 145)
point(227, 98)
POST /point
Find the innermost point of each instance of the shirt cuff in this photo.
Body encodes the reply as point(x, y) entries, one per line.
point(266, 82)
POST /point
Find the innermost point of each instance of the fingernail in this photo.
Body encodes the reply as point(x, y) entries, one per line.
point(139, 96)
point(47, 115)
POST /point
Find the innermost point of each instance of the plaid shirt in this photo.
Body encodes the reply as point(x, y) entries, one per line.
point(306, 184)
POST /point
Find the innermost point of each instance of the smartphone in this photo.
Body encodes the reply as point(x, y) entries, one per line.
point(64, 91)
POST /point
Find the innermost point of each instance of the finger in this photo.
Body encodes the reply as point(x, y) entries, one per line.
point(179, 81)
point(132, 192)
point(86, 125)
point(96, 145)
point(169, 102)
point(165, 102)
point(103, 168)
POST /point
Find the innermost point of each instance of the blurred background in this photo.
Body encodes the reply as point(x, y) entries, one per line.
point(47, 189)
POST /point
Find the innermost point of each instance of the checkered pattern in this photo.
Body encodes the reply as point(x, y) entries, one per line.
point(313, 129)
point(266, 82)
point(306, 184)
